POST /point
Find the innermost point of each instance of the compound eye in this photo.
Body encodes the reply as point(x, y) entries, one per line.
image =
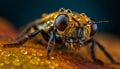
point(61, 22)
point(93, 28)
point(61, 10)
point(69, 11)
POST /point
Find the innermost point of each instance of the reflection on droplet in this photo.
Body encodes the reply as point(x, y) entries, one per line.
point(25, 53)
point(22, 51)
point(8, 55)
point(52, 58)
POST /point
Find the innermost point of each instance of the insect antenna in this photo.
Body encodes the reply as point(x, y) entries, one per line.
point(100, 22)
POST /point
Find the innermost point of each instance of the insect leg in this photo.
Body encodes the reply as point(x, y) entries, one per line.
point(27, 29)
point(93, 53)
point(51, 44)
point(22, 41)
point(105, 52)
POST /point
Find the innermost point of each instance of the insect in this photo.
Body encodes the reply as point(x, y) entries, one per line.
point(64, 27)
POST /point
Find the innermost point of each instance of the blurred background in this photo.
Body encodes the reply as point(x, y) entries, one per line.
point(20, 12)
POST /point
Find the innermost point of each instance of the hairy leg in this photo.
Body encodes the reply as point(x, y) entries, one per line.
point(93, 52)
point(26, 30)
point(22, 41)
point(106, 53)
point(51, 44)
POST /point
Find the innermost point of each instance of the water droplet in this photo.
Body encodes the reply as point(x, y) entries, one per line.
point(40, 54)
point(0, 50)
point(16, 62)
point(42, 63)
point(56, 64)
point(2, 53)
point(1, 64)
point(8, 55)
point(6, 62)
point(13, 54)
point(33, 50)
point(33, 54)
point(22, 51)
point(52, 58)
point(52, 67)
point(35, 61)
point(47, 61)
point(25, 53)
point(28, 56)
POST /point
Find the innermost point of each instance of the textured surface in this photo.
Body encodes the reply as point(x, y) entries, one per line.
point(32, 55)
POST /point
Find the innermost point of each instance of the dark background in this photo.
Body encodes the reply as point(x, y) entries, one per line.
point(20, 12)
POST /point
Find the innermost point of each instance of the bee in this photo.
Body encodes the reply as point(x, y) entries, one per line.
point(64, 28)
